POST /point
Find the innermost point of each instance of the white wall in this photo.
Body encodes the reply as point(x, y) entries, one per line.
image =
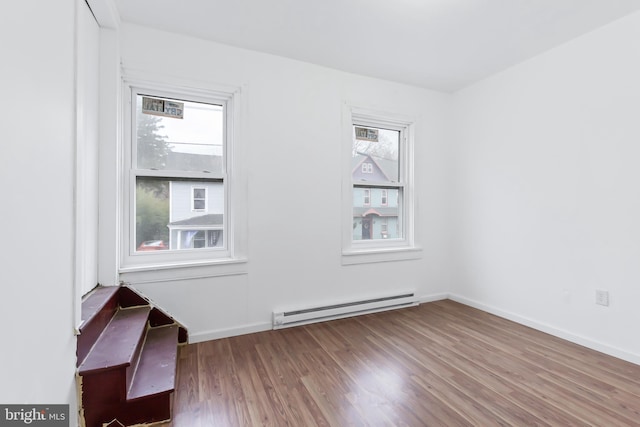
point(37, 361)
point(108, 152)
point(87, 122)
point(547, 193)
point(292, 132)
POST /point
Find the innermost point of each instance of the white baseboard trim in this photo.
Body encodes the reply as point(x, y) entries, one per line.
point(267, 326)
point(551, 330)
point(560, 333)
point(433, 297)
point(230, 332)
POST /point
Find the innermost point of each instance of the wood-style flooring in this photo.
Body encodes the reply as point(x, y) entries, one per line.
point(438, 364)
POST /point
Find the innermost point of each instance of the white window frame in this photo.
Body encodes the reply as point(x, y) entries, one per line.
point(377, 250)
point(232, 175)
point(384, 197)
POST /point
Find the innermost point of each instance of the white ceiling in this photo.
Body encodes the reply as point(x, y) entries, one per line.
point(437, 44)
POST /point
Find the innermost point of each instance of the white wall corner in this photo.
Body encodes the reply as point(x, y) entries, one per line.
point(215, 334)
point(105, 12)
point(433, 297)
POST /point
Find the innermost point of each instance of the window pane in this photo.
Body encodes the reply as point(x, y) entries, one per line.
point(199, 193)
point(215, 238)
point(164, 214)
point(152, 214)
point(375, 154)
point(192, 143)
point(376, 216)
point(199, 239)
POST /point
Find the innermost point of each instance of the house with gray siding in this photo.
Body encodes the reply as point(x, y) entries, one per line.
point(375, 209)
point(196, 214)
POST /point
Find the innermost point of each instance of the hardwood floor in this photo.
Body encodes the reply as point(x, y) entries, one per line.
point(438, 364)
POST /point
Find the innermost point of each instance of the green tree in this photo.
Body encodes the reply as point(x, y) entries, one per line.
point(152, 195)
point(151, 145)
point(152, 211)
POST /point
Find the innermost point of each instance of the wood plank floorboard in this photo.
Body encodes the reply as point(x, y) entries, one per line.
point(438, 364)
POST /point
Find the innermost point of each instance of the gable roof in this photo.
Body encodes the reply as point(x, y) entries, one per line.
point(200, 221)
point(387, 167)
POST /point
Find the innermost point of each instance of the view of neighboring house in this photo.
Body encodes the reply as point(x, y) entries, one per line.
point(375, 209)
point(196, 217)
point(196, 208)
point(196, 214)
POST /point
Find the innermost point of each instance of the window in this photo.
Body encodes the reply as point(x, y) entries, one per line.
point(199, 239)
point(382, 146)
point(177, 202)
point(378, 187)
point(199, 199)
point(172, 149)
point(366, 199)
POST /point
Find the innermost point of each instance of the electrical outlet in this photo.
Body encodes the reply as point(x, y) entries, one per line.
point(602, 297)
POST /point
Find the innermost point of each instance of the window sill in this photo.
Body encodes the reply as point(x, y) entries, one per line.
point(375, 255)
point(165, 272)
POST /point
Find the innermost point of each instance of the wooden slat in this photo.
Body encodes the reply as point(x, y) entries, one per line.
point(97, 310)
point(119, 341)
point(439, 364)
point(96, 300)
point(155, 373)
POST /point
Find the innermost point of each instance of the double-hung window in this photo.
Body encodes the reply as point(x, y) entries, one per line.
point(176, 190)
point(379, 206)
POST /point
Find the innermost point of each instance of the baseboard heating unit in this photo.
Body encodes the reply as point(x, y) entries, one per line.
point(303, 316)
